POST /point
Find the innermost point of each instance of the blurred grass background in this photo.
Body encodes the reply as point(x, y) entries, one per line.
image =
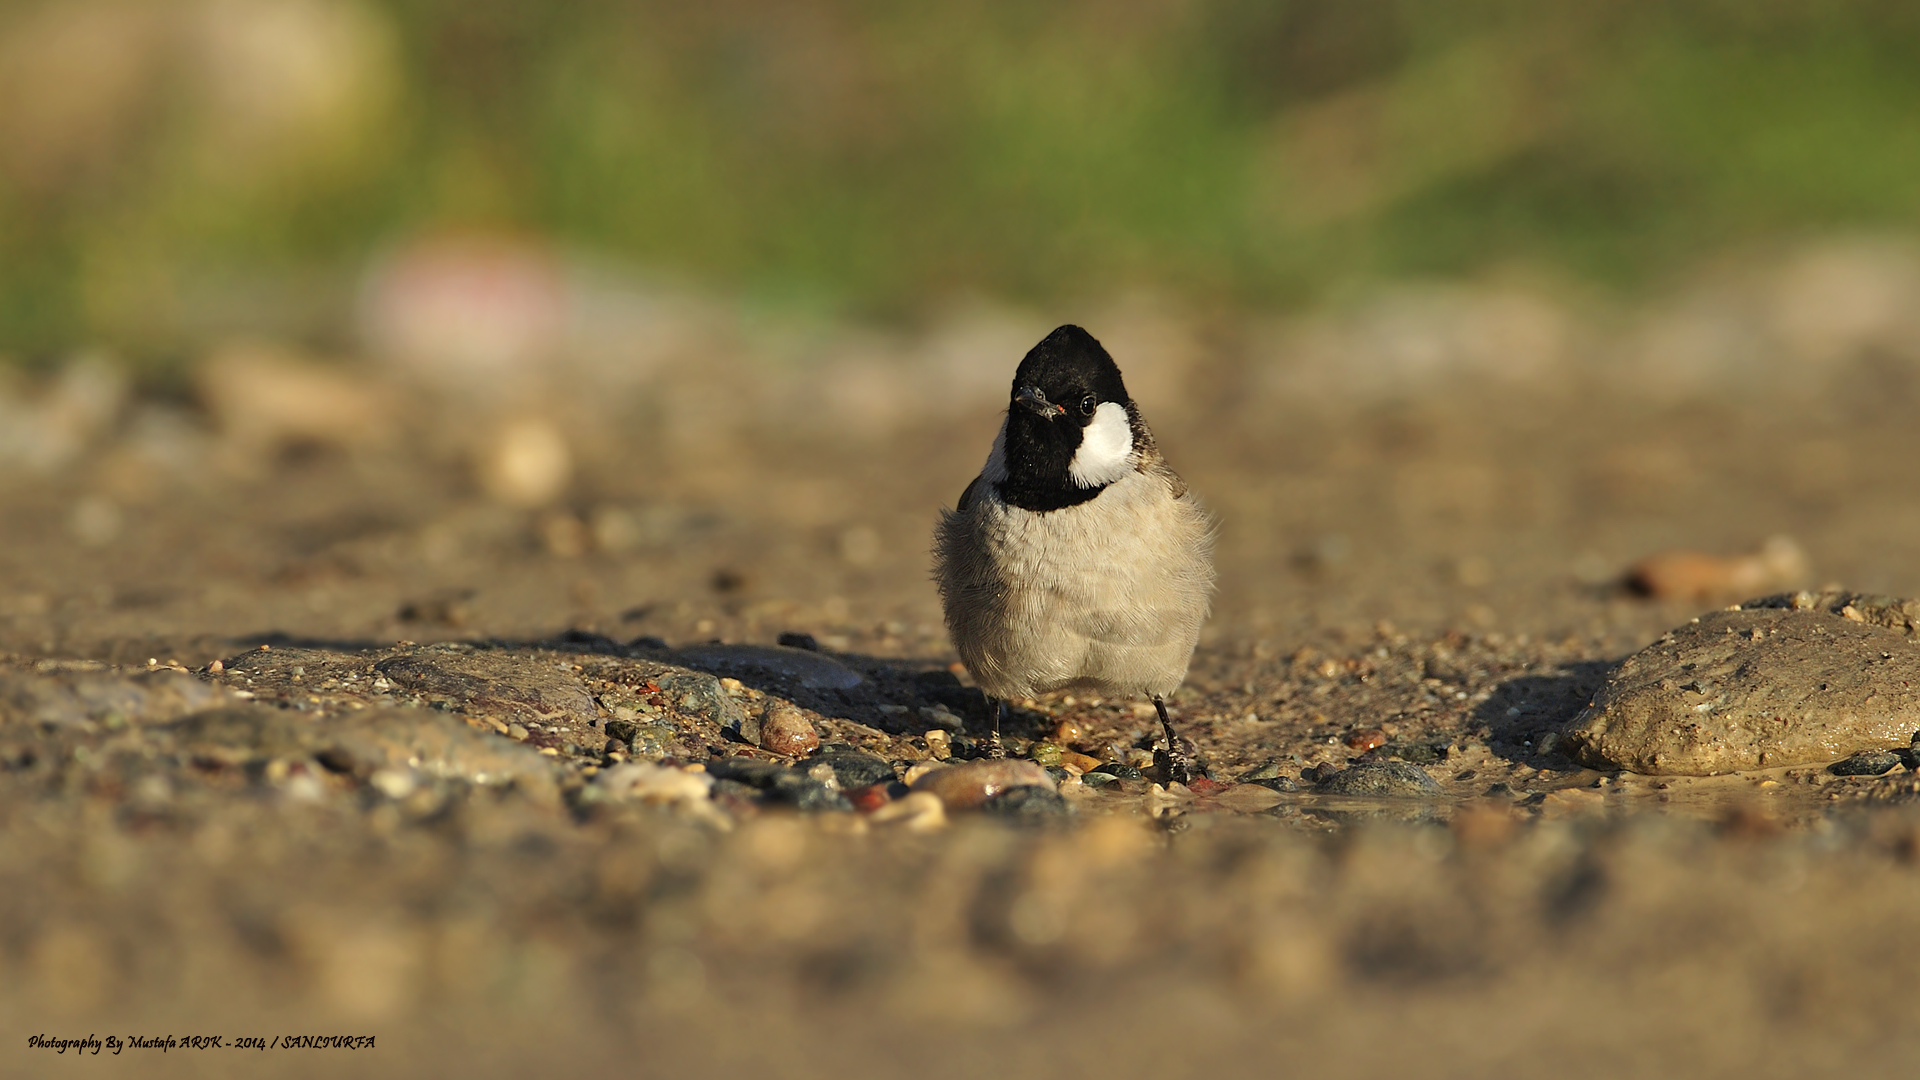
point(170, 171)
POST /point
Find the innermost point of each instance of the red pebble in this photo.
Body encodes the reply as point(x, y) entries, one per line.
point(1203, 786)
point(1366, 740)
point(868, 799)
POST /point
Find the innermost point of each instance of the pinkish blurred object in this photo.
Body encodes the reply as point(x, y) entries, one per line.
point(471, 311)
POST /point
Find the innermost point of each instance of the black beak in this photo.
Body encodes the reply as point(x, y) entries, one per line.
point(1031, 398)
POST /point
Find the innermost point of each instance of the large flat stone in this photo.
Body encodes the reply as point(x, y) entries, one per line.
point(1785, 680)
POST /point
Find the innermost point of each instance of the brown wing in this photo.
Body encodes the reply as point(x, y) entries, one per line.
point(1175, 482)
point(1153, 463)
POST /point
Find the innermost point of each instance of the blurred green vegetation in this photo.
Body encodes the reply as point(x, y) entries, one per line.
point(171, 168)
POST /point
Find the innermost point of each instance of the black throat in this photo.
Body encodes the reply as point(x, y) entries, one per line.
point(1037, 452)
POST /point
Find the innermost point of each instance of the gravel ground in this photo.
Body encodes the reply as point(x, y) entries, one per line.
point(434, 789)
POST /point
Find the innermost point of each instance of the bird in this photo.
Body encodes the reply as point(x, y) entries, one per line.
point(1077, 559)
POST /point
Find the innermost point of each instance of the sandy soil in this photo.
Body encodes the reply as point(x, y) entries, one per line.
point(1434, 576)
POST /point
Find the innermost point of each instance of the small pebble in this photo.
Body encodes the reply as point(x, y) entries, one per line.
point(1392, 779)
point(778, 783)
point(939, 744)
point(1118, 771)
point(1080, 763)
point(1866, 763)
point(942, 717)
point(1027, 804)
point(853, 768)
point(1044, 754)
point(942, 690)
point(786, 730)
point(1366, 739)
point(823, 775)
point(702, 695)
point(964, 787)
point(517, 732)
point(1422, 753)
point(1069, 733)
point(871, 798)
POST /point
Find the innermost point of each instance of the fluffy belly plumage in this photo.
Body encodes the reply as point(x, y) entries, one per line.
point(1108, 595)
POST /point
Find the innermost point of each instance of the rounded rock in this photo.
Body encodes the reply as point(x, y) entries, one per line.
point(854, 768)
point(1867, 763)
point(964, 787)
point(1382, 779)
point(1366, 739)
point(786, 730)
point(701, 695)
point(1079, 762)
point(1027, 804)
point(939, 744)
point(1784, 680)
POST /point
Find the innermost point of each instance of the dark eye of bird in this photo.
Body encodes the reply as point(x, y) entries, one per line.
point(1087, 405)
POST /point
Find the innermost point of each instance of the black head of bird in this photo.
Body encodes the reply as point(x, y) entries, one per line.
point(1071, 428)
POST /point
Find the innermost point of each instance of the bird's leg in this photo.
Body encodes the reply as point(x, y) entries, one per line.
point(1179, 769)
point(994, 749)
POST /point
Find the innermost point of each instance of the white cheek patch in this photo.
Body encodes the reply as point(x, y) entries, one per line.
point(1106, 448)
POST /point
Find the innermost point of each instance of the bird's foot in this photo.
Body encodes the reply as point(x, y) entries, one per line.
point(1176, 768)
point(994, 749)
